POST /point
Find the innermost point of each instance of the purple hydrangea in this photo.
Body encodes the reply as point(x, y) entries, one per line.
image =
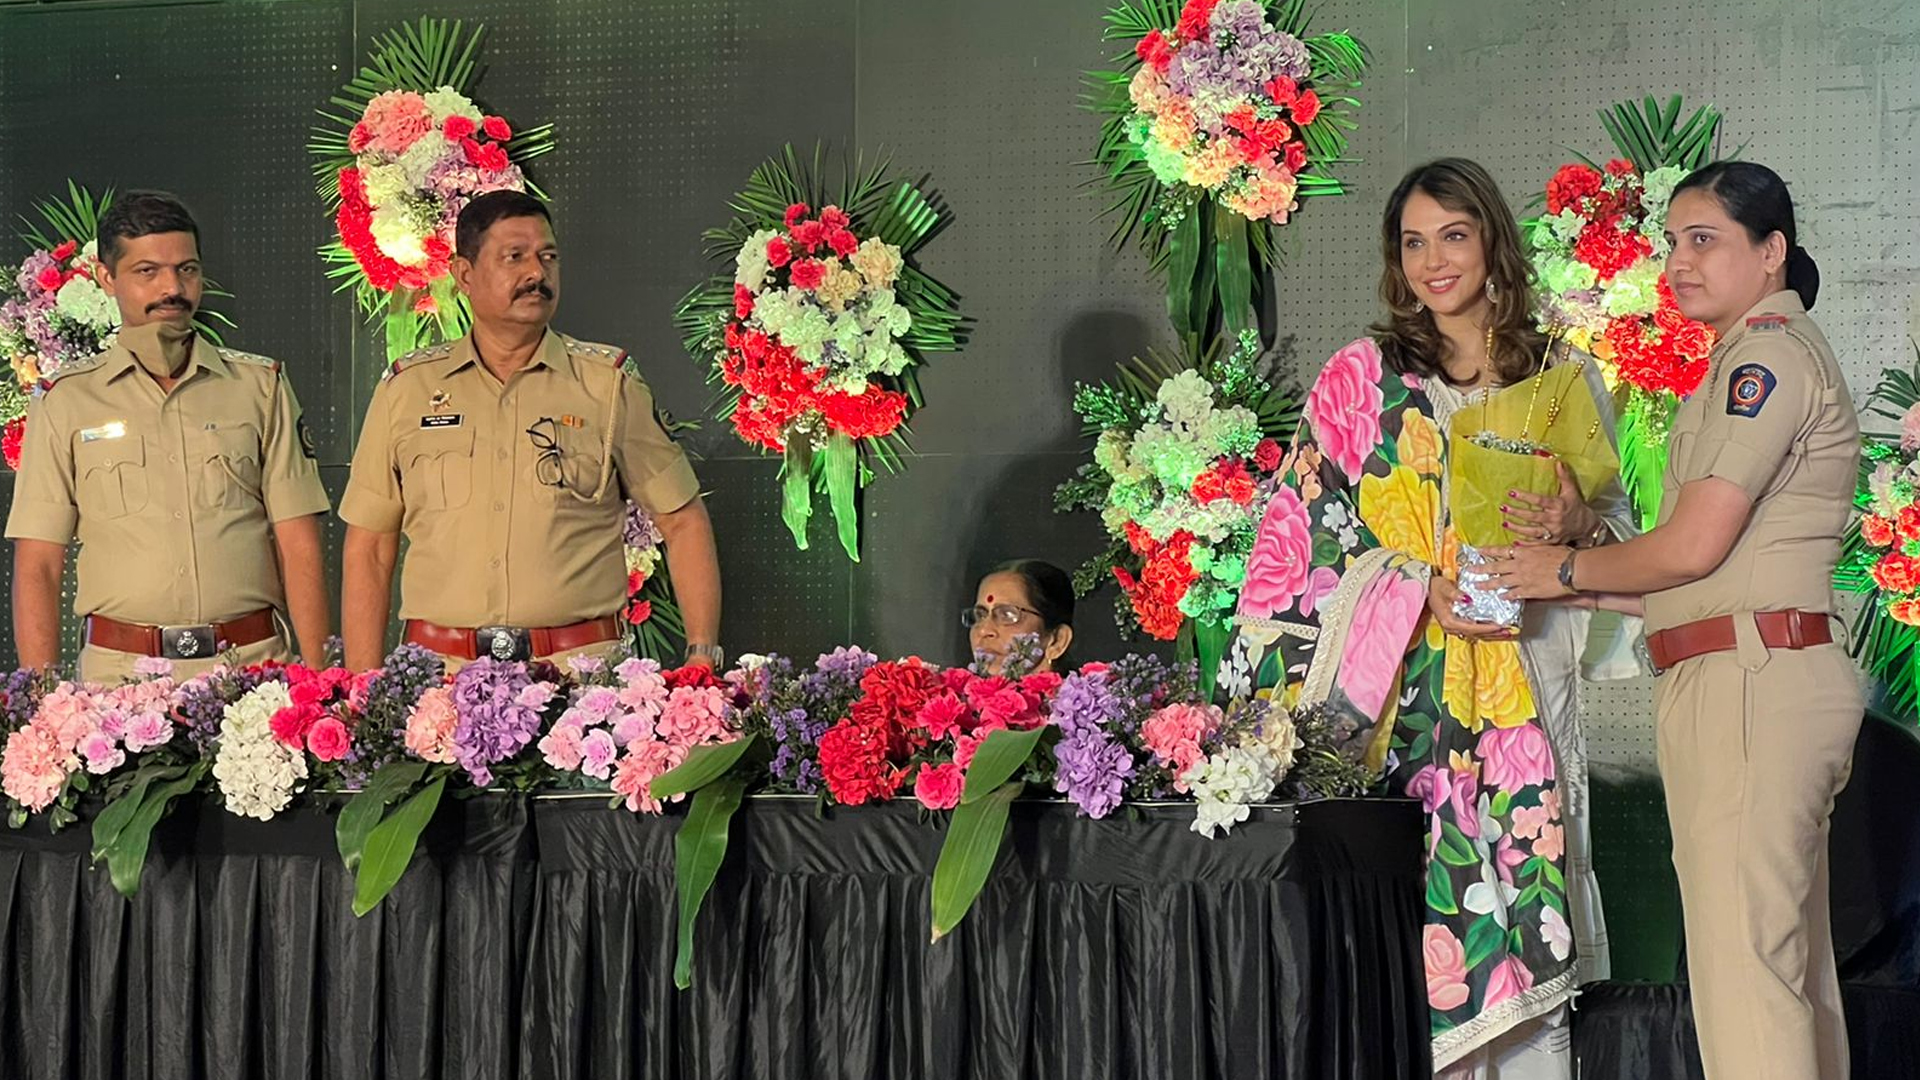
point(493, 726)
point(1093, 771)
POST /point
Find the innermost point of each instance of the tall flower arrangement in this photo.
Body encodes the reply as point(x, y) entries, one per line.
point(1218, 119)
point(1880, 558)
point(815, 335)
point(1183, 449)
point(53, 310)
point(1600, 250)
point(403, 148)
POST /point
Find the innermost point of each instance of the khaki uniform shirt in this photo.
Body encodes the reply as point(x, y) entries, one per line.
point(171, 495)
point(1775, 418)
point(505, 525)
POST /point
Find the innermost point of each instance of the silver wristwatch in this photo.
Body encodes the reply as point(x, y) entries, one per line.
point(711, 653)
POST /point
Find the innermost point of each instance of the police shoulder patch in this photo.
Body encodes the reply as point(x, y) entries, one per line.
point(235, 356)
point(306, 439)
point(1767, 324)
point(417, 357)
point(605, 354)
point(1748, 388)
point(71, 367)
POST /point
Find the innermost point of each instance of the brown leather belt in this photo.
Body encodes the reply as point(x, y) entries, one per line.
point(510, 642)
point(190, 641)
point(1791, 629)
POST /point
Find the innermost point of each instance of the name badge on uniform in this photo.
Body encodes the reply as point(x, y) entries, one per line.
point(114, 429)
point(1747, 390)
point(442, 420)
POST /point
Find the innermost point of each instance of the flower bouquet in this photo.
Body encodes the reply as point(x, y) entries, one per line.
point(1600, 251)
point(1184, 451)
point(1510, 440)
point(404, 151)
point(1880, 558)
point(1219, 119)
point(814, 337)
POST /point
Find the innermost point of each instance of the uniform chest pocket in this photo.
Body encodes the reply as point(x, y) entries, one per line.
point(567, 462)
point(436, 468)
point(226, 465)
point(112, 476)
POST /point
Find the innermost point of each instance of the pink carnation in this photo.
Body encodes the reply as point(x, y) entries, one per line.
point(938, 787)
point(146, 730)
point(430, 726)
point(329, 739)
point(34, 768)
point(597, 753)
point(694, 715)
point(1174, 735)
point(101, 754)
point(942, 715)
point(561, 746)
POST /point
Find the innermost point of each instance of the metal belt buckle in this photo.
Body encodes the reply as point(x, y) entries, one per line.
point(503, 643)
point(188, 642)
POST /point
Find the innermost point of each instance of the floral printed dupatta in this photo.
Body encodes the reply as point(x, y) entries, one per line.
point(1330, 618)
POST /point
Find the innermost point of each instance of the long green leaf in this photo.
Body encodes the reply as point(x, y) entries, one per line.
point(113, 819)
point(1183, 263)
point(796, 489)
point(998, 757)
point(391, 844)
point(128, 852)
point(1233, 270)
point(967, 856)
point(842, 475)
point(365, 809)
point(703, 765)
point(698, 850)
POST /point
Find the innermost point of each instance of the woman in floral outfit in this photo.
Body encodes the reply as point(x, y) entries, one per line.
point(1348, 608)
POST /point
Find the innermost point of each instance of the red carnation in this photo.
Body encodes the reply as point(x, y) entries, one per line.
point(1570, 185)
point(497, 129)
point(358, 138)
point(639, 611)
point(853, 761)
point(1306, 108)
point(1267, 455)
point(797, 213)
point(1908, 522)
point(291, 724)
point(329, 739)
point(494, 158)
point(50, 279)
point(1296, 157)
point(456, 128)
point(11, 443)
point(808, 273)
point(1240, 488)
point(742, 301)
point(1154, 50)
point(470, 148)
point(1604, 246)
point(1876, 530)
point(65, 250)
point(698, 676)
point(1620, 167)
point(1282, 90)
point(810, 235)
point(835, 218)
point(842, 242)
point(1209, 486)
point(1897, 573)
point(1906, 611)
point(425, 304)
point(778, 253)
point(1194, 20)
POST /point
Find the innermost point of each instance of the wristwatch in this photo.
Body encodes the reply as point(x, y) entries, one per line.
point(1566, 571)
point(713, 654)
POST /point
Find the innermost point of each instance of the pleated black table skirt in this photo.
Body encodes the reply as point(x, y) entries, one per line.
point(536, 940)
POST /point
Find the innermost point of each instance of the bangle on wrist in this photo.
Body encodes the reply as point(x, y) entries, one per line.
point(1566, 570)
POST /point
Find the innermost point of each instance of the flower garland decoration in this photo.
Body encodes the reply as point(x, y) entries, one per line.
point(1221, 117)
point(1880, 557)
point(815, 336)
point(1600, 251)
point(1182, 463)
point(53, 311)
point(406, 148)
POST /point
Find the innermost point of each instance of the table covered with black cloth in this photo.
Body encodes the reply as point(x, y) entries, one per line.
point(535, 939)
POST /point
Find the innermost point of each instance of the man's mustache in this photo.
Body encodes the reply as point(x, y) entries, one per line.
point(169, 303)
point(540, 287)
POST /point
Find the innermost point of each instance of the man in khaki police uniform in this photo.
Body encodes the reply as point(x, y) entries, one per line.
point(184, 470)
point(507, 457)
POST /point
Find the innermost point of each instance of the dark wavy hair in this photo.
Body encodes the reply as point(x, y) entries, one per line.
point(1410, 340)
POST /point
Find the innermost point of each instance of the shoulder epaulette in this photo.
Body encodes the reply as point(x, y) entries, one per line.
point(1767, 323)
point(416, 357)
point(71, 367)
point(235, 356)
point(605, 354)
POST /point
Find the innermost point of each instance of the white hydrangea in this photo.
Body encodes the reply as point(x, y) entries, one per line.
point(257, 775)
point(84, 301)
point(750, 265)
point(394, 232)
point(447, 101)
point(877, 261)
point(1633, 291)
point(1223, 785)
point(1566, 226)
point(1187, 398)
point(420, 159)
point(384, 183)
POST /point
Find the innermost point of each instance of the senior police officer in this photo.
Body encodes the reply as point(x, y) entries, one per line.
point(1758, 707)
point(184, 470)
point(506, 457)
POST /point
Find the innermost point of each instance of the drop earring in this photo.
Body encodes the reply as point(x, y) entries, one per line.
point(1419, 307)
point(1492, 293)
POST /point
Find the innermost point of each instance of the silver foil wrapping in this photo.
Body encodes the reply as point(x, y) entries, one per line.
point(1477, 601)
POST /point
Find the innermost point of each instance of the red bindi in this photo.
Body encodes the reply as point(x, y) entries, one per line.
point(989, 598)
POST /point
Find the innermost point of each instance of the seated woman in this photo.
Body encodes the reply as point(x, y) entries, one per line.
point(1022, 598)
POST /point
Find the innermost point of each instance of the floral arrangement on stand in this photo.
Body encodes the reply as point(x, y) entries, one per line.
point(1183, 451)
point(403, 151)
point(1880, 558)
point(1600, 252)
point(815, 336)
point(1221, 116)
point(53, 311)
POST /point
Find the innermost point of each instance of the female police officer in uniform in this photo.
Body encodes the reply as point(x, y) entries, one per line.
point(1758, 708)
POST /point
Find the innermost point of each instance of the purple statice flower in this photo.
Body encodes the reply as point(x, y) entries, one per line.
point(493, 725)
point(20, 693)
point(200, 703)
point(640, 530)
point(848, 662)
point(1093, 771)
point(390, 694)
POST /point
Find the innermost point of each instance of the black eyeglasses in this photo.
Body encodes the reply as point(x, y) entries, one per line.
point(546, 467)
point(1004, 614)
